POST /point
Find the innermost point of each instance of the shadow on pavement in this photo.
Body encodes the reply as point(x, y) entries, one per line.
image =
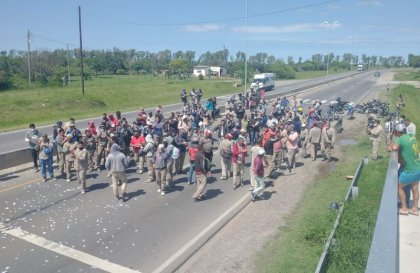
point(5, 178)
point(133, 194)
point(97, 186)
point(266, 195)
point(213, 193)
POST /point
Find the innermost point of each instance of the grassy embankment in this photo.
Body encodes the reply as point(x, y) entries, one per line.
point(104, 94)
point(301, 242)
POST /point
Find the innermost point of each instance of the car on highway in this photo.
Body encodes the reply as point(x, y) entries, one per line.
point(377, 74)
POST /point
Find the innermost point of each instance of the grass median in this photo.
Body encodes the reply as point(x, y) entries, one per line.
point(102, 94)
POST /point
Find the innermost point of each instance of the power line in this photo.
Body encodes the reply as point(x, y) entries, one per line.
point(52, 40)
point(215, 20)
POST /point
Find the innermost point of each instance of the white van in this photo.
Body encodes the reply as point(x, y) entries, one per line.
point(263, 81)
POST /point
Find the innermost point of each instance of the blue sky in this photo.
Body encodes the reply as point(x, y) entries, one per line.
point(277, 27)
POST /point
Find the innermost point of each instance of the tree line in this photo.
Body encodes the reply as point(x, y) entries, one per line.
point(51, 67)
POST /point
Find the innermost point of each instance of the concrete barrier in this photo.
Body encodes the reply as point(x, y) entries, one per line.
point(15, 158)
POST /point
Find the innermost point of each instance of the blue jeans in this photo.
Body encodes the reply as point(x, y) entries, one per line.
point(34, 154)
point(191, 173)
point(44, 164)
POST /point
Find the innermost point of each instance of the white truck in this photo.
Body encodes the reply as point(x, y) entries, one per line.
point(263, 81)
point(360, 67)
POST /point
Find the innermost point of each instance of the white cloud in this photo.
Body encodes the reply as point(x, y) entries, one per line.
point(288, 28)
point(373, 3)
point(203, 27)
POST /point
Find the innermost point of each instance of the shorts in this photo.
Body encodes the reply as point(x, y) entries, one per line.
point(409, 177)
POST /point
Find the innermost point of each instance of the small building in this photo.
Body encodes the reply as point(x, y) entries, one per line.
point(207, 71)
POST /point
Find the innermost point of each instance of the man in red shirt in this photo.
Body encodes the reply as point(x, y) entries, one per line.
point(137, 143)
point(239, 154)
point(259, 175)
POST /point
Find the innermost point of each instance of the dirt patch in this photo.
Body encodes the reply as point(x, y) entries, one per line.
point(233, 248)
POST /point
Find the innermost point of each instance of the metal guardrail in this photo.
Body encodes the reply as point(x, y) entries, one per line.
point(323, 260)
point(384, 250)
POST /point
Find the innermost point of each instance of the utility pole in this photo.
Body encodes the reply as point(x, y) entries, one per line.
point(81, 53)
point(246, 44)
point(29, 57)
point(68, 64)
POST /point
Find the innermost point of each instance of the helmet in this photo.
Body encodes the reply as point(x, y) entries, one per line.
point(400, 127)
point(300, 109)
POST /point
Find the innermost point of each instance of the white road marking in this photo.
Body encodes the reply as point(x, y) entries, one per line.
point(67, 251)
point(198, 236)
point(307, 100)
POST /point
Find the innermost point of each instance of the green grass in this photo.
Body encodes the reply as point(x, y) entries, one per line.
point(407, 75)
point(303, 75)
point(357, 224)
point(302, 240)
point(102, 94)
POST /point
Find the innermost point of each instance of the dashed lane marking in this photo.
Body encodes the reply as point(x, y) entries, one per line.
point(66, 251)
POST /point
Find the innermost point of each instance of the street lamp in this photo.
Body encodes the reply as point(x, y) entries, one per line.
point(329, 24)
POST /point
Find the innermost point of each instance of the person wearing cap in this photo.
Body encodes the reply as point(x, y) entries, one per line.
point(32, 137)
point(328, 141)
point(304, 136)
point(59, 142)
point(137, 143)
point(90, 144)
point(66, 126)
point(56, 128)
point(81, 165)
point(258, 169)
point(207, 142)
point(69, 147)
point(102, 143)
point(376, 137)
point(239, 153)
point(314, 138)
point(148, 151)
point(46, 151)
point(201, 169)
point(408, 150)
point(225, 151)
point(74, 132)
point(160, 161)
point(292, 146)
point(116, 163)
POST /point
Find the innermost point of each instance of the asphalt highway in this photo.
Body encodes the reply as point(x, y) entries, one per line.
point(50, 227)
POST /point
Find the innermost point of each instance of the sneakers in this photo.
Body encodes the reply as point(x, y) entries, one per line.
point(252, 196)
point(108, 175)
point(36, 170)
point(223, 178)
point(162, 193)
point(117, 198)
point(82, 191)
point(54, 179)
point(158, 190)
point(68, 180)
point(44, 180)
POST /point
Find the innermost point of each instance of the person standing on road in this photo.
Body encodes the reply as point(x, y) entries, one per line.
point(102, 142)
point(254, 153)
point(258, 169)
point(46, 157)
point(149, 150)
point(59, 142)
point(182, 144)
point(137, 142)
point(314, 139)
point(192, 152)
point(81, 165)
point(376, 137)
point(389, 129)
point(68, 147)
point(225, 151)
point(116, 163)
point(304, 136)
point(239, 154)
point(408, 149)
point(160, 162)
point(32, 137)
point(292, 145)
point(90, 144)
point(201, 170)
point(328, 141)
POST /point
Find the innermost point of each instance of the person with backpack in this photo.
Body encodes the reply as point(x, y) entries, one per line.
point(46, 157)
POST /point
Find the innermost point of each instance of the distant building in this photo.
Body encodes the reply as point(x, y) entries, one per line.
point(217, 71)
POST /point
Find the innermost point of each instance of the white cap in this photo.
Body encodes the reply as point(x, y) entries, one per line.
point(261, 152)
point(161, 146)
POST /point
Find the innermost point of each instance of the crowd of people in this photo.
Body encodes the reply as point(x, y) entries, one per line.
point(276, 135)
